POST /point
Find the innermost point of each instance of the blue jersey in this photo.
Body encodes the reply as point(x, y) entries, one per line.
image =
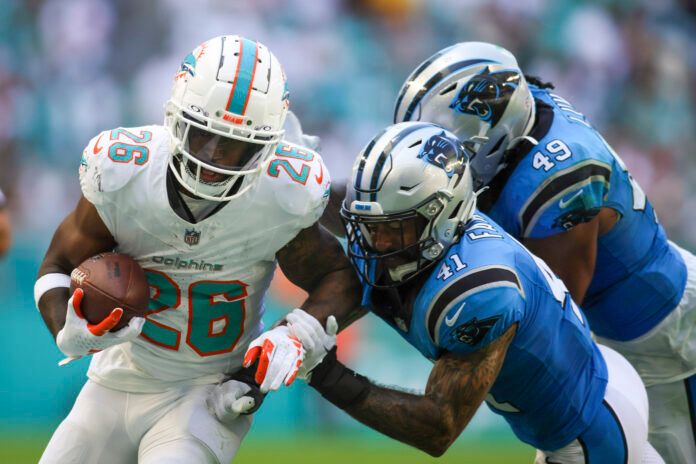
point(565, 180)
point(553, 379)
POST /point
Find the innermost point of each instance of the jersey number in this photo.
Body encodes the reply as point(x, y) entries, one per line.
point(291, 152)
point(122, 152)
point(558, 149)
point(216, 311)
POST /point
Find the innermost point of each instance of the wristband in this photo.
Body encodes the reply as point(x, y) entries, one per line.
point(48, 282)
point(337, 383)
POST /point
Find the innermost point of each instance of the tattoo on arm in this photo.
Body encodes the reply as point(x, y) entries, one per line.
point(457, 386)
point(314, 261)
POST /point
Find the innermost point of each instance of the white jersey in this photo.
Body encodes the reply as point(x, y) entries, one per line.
point(207, 279)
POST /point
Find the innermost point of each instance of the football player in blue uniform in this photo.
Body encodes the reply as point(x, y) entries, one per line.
point(555, 184)
point(497, 324)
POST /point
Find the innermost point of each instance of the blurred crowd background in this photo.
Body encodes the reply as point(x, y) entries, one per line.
point(72, 68)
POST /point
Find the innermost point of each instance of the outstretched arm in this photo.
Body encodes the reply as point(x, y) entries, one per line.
point(431, 422)
point(314, 261)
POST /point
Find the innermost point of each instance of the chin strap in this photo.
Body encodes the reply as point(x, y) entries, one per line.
point(528, 138)
point(398, 273)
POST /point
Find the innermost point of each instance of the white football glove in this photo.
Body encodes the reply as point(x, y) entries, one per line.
point(315, 340)
point(228, 400)
point(79, 338)
point(279, 354)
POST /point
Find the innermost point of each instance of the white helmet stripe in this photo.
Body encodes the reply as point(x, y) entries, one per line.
point(428, 86)
point(379, 160)
point(415, 74)
point(363, 162)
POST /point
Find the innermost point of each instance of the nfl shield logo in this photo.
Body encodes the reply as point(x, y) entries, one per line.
point(192, 236)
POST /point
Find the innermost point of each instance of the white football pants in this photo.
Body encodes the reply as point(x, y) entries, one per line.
point(113, 427)
point(665, 358)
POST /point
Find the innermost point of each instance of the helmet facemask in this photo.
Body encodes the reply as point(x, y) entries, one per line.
point(419, 201)
point(211, 165)
point(225, 116)
point(413, 251)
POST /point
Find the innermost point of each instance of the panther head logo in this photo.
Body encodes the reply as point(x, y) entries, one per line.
point(443, 152)
point(486, 95)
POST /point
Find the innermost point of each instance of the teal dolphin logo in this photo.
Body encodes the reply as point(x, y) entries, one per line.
point(188, 65)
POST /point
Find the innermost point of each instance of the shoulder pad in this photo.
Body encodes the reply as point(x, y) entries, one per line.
point(566, 198)
point(476, 308)
point(300, 181)
point(561, 182)
point(114, 157)
point(489, 283)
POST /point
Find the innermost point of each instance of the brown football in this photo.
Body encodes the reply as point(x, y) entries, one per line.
point(111, 280)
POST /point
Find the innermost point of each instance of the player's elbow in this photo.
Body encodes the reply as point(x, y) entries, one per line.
point(438, 447)
point(441, 441)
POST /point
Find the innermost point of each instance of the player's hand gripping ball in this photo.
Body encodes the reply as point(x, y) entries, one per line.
point(110, 281)
point(109, 297)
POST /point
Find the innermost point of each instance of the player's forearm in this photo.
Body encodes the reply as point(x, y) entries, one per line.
point(53, 302)
point(338, 295)
point(52, 306)
point(412, 419)
point(429, 422)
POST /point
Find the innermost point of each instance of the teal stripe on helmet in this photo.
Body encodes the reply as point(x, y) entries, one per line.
point(242, 85)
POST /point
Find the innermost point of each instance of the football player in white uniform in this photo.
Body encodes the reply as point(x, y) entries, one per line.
point(206, 204)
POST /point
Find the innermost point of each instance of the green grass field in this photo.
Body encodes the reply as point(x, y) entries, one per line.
point(320, 450)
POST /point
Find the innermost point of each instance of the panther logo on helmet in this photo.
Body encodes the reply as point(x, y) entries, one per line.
point(486, 95)
point(443, 152)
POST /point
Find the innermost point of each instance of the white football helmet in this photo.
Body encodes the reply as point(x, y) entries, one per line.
point(225, 116)
point(410, 171)
point(477, 91)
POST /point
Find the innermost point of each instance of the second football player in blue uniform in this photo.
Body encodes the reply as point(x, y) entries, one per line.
point(555, 184)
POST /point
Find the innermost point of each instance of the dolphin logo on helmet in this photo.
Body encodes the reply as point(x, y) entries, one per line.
point(188, 65)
